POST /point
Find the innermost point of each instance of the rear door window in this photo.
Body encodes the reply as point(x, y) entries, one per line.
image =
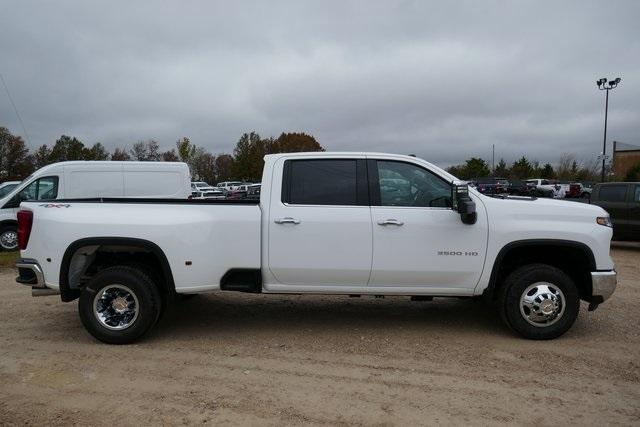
point(613, 193)
point(321, 182)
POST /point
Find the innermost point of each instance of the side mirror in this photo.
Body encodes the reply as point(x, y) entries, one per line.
point(462, 202)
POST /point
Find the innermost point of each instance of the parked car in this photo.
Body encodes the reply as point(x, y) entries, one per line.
point(214, 194)
point(622, 201)
point(84, 179)
point(240, 192)
point(540, 187)
point(229, 185)
point(491, 185)
point(518, 187)
point(253, 192)
point(324, 224)
point(7, 186)
point(200, 186)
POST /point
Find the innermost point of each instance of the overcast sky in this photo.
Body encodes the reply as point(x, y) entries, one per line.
point(444, 80)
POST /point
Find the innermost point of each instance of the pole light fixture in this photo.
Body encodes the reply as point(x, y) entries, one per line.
point(606, 85)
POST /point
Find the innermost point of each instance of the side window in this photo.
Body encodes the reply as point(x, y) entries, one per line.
point(41, 189)
point(405, 184)
point(636, 196)
point(320, 182)
point(613, 193)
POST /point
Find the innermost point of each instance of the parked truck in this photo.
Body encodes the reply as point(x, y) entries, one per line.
point(325, 223)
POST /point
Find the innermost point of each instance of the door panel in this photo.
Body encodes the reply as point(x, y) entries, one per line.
point(320, 224)
point(418, 240)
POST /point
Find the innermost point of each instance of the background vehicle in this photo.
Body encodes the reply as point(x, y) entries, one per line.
point(326, 223)
point(7, 186)
point(214, 194)
point(491, 185)
point(253, 192)
point(85, 179)
point(229, 185)
point(518, 187)
point(239, 192)
point(622, 201)
point(200, 186)
point(541, 187)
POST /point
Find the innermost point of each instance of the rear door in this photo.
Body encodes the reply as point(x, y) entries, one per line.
point(320, 223)
point(634, 212)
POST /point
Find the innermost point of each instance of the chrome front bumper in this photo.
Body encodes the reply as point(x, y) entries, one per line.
point(603, 283)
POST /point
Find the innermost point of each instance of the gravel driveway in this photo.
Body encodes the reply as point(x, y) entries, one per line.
point(255, 359)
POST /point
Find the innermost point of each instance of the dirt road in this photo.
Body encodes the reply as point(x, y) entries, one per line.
point(243, 359)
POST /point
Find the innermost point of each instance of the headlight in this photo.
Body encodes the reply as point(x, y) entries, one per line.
point(604, 220)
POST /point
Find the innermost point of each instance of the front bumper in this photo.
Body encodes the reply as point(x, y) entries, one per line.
point(603, 283)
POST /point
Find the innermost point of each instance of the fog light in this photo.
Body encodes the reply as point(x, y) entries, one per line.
point(604, 220)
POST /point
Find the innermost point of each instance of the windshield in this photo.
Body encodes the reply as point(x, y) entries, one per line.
point(7, 189)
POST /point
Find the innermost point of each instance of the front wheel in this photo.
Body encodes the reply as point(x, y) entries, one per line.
point(9, 238)
point(539, 301)
point(119, 305)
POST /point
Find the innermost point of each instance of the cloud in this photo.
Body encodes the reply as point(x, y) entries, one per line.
point(444, 80)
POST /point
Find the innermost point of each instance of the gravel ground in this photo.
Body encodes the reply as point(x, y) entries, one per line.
point(256, 359)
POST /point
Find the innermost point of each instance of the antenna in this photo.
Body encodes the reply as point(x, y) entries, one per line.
point(24, 130)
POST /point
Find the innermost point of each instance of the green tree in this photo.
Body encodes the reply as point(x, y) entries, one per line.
point(96, 152)
point(15, 161)
point(223, 167)
point(247, 156)
point(502, 170)
point(475, 167)
point(522, 168)
point(295, 142)
point(67, 148)
point(42, 156)
point(547, 171)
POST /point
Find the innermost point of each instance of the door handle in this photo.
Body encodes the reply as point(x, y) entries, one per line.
point(390, 221)
point(286, 220)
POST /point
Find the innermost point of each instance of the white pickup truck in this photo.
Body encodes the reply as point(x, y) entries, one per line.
point(325, 223)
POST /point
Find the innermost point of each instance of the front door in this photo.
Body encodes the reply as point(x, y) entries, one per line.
point(320, 225)
point(418, 240)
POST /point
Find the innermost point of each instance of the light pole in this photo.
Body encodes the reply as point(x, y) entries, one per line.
point(603, 85)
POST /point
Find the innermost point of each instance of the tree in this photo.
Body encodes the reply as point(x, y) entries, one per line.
point(15, 161)
point(204, 167)
point(67, 148)
point(295, 142)
point(522, 168)
point(146, 151)
point(170, 156)
point(547, 171)
point(475, 167)
point(42, 156)
point(247, 155)
point(120, 154)
point(223, 167)
point(501, 169)
point(186, 150)
point(96, 152)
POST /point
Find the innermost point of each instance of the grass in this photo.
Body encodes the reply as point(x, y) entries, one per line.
point(8, 259)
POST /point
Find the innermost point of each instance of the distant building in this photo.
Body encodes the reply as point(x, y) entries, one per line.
point(625, 156)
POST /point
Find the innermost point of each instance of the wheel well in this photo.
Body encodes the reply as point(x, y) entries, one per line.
point(574, 259)
point(87, 257)
point(8, 222)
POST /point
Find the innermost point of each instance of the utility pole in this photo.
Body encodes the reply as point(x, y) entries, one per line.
point(602, 85)
point(493, 159)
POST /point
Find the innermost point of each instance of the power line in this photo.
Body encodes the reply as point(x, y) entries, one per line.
point(24, 129)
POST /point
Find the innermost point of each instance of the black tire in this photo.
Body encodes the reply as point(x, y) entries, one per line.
point(4, 244)
point(147, 301)
point(513, 289)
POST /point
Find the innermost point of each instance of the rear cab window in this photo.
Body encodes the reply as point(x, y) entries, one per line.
point(45, 188)
point(333, 182)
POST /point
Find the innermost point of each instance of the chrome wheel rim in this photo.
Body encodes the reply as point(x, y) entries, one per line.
point(542, 304)
point(9, 239)
point(116, 307)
